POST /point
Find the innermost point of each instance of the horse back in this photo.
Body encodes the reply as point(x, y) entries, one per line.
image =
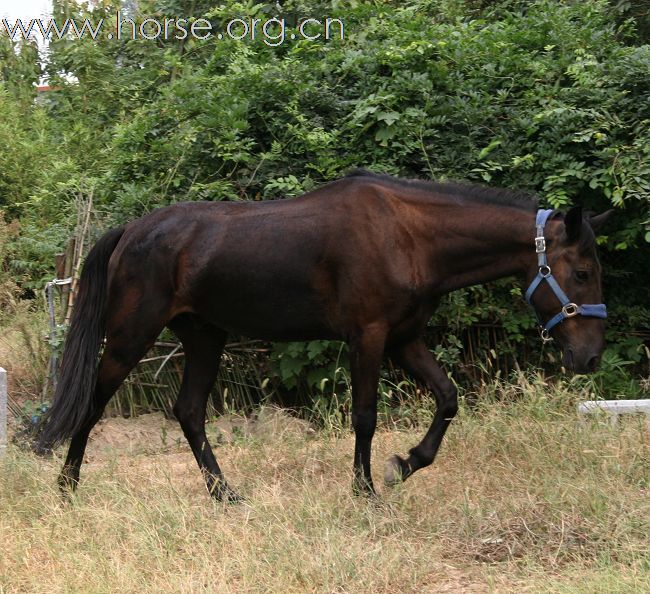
point(312, 267)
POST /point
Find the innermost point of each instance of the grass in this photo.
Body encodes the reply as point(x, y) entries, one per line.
point(24, 354)
point(522, 498)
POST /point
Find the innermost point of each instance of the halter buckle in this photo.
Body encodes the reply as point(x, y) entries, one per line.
point(570, 310)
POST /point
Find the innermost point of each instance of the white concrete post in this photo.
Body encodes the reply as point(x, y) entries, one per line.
point(3, 412)
point(614, 408)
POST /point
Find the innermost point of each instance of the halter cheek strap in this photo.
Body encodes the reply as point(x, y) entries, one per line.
point(569, 309)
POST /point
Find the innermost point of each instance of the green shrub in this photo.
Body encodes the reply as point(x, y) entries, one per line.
point(547, 96)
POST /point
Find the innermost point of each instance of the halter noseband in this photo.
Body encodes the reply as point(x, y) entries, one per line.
point(569, 309)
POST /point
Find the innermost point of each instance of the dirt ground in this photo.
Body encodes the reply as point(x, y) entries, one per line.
point(487, 518)
point(154, 434)
point(148, 439)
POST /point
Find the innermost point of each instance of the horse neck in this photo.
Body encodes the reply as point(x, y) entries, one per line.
point(475, 244)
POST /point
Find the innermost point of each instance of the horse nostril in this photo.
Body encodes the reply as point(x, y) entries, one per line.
point(568, 359)
point(592, 364)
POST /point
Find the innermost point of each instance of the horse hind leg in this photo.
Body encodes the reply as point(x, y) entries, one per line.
point(203, 345)
point(130, 333)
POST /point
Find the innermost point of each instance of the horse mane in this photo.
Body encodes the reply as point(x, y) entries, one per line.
point(468, 191)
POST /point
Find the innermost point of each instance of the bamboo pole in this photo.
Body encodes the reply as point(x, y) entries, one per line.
point(84, 221)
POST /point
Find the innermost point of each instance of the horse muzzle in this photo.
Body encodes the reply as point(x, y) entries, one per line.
point(581, 363)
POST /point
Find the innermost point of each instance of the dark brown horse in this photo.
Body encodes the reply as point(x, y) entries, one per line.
point(364, 259)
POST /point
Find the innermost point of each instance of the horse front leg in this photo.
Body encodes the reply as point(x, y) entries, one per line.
point(415, 358)
point(366, 353)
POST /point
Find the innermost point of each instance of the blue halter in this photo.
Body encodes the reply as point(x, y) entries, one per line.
point(569, 309)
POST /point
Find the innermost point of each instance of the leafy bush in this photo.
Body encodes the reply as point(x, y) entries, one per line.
point(547, 96)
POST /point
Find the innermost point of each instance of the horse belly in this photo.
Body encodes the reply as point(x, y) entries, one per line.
point(264, 299)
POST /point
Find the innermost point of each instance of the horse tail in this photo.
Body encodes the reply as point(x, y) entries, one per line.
point(74, 404)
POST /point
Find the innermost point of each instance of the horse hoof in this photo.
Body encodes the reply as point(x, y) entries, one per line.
point(234, 498)
point(394, 471)
point(68, 481)
point(363, 488)
point(225, 494)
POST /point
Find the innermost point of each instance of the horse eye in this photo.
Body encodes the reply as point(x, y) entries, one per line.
point(582, 275)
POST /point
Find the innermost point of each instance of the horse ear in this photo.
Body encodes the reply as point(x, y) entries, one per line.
point(598, 221)
point(573, 223)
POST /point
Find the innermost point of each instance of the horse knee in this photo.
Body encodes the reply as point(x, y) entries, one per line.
point(189, 420)
point(448, 403)
point(364, 423)
point(449, 410)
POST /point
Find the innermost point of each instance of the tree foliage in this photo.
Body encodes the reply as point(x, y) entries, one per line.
point(545, 95)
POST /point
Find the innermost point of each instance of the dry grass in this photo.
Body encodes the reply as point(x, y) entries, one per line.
point(521, 499)
point(23, 350)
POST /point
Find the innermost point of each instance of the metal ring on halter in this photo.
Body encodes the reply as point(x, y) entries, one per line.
point(570, 310)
